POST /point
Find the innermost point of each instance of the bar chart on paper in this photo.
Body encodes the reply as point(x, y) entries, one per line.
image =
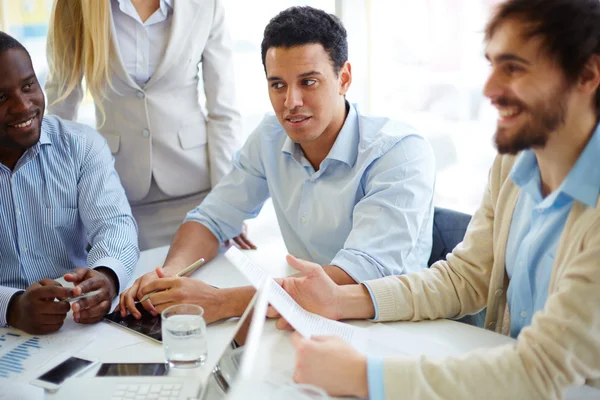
point(21, 355)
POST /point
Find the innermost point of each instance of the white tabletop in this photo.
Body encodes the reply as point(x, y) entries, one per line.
point(112, 344)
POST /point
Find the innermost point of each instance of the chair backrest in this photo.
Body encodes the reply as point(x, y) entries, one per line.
point(449, 229)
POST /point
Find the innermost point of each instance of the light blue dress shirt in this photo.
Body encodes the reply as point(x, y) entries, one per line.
point(537, 226)
point(62, 195)
point(368, 209)
point(535, 231)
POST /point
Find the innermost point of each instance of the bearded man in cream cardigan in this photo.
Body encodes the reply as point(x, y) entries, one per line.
point(531, 253)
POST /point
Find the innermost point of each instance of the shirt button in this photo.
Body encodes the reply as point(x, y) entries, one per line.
point(498, 293)
point(18, 212)
point(25, 248)
point(303, 220)
point(313, 254)
point(523, 314)
point(145, 133)
point(140, 94)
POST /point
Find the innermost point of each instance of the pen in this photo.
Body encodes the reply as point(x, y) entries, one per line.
point(179, 274)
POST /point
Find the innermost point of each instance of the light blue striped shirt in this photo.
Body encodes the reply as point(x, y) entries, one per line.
point(537, 226)
point(63, 194)
point(368, 209)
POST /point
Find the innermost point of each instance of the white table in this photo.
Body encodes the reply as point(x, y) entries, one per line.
point(276, 352)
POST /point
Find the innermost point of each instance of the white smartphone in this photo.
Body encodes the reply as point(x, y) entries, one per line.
point(52, 379)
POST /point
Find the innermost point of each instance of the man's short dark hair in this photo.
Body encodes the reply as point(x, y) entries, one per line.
point(570, 30)
point(299, 26)
point(8, 42)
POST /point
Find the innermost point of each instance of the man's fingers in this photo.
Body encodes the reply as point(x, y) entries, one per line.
point(130, 306)
point(93, 314)
point(244, 243)
point(283, 325)
point(323, 338)
point(89, 285)
point(91, 301)
point(54, 308)
point(297, 340)
point(159, 284)
point(303, 266)
point(77, 275)
point(51, 292)
point(149, 306)
point(241, 243)
point(160, 272)
point(166, 296)
point(272, 312)
point(53, 319)
point(49, 282)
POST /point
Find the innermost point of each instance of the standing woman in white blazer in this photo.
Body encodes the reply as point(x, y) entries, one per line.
point(141, 61)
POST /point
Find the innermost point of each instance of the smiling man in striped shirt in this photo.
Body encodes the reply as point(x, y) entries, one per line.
point(58, 192)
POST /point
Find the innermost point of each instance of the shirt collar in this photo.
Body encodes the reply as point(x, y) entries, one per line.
point(345, 147)
point(127, 7)
point(581, 184)
point(44, 137)
point(583, 181)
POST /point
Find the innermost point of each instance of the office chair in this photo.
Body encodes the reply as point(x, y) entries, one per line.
point(449, 229)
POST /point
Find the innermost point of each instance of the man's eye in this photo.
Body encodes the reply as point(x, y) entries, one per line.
point(309, 82)
point(277, 85)
point(512, 68)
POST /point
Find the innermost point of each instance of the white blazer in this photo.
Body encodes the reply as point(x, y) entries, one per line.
point(160, 129)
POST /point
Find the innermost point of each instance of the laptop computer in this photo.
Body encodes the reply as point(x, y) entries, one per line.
point(236, 359)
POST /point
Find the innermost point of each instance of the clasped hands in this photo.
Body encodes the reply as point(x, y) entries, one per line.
point(44, 305)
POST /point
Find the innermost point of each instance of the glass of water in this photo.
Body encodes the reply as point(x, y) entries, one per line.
point(184, 336)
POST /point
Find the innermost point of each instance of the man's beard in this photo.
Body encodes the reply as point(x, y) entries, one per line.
point(543, 119)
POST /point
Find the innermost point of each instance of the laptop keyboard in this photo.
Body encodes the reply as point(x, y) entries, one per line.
point(166, 391)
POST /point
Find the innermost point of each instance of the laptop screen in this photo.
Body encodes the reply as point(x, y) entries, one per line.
point(237, 358)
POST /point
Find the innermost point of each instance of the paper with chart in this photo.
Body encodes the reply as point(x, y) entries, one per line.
point(306, 323)
point(23, 355)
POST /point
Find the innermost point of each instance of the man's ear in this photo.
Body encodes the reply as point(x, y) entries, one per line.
point(345, 76)
point(589, 80)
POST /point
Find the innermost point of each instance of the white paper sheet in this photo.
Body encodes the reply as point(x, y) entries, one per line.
point(306, 323)
point(25, 355)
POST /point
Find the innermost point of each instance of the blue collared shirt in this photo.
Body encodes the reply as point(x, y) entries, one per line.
point(63, 194)
point(368, 209)
point(537, 226)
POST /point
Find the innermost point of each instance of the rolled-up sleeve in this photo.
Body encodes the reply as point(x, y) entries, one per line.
point(392, 224)
point(240, 195)
point(105, 212)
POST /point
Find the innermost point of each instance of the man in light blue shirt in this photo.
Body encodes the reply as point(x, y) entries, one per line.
point(537, 226)
point(351, 192)
point(59, 192)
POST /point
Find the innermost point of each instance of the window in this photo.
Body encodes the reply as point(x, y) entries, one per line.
point(426, 67)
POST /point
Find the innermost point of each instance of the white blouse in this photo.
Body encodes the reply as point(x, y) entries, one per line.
point(142, 44)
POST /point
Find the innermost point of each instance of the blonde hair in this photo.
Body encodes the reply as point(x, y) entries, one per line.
point(79, 46)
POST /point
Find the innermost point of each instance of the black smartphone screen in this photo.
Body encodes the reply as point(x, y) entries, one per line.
point(137, 369)
point(148, 325)
point(64, 370)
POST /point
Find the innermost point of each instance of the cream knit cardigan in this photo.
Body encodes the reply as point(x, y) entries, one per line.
point(561, 347)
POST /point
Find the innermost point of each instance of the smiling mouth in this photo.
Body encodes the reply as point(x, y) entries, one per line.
point(25, 124)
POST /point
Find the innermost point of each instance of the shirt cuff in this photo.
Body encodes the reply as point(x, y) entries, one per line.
point(375, 378)
point(374, 300)
point(117, 267)
point(360, 266)
point(198, 217)
point(6, 294)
